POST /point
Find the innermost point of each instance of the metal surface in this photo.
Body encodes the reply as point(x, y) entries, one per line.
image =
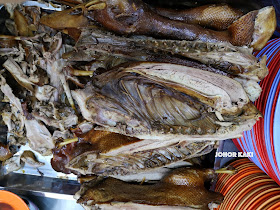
point(39, 186)
point(44, 203)
point(42, 181)
point(45, 170)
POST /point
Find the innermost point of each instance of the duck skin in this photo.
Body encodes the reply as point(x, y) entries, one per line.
point(107, 154)
point(129, 17)
point(183, 188)
point(218, 17)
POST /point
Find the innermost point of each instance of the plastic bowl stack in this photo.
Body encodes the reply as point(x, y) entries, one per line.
point(250, 188)
point(264, 139)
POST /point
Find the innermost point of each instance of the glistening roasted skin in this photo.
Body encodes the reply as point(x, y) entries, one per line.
point(181, 188)
point(127, 161)
point(95, 141)
point(167, 102)
point(218, 17)
point(105, 153)
point(135, 17)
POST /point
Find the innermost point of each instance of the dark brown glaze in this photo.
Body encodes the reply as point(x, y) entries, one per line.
point(89, 155)
point(243, 29)
point(98, 141)
point(62, 156)
point(104, 141)
point(126, 161)
point(182, 187)
point(218, 17)
point(8, 43)
point(138, 18)
point(135, 17)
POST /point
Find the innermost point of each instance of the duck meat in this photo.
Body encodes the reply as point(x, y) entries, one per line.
point(151, 100)
point(182, 188)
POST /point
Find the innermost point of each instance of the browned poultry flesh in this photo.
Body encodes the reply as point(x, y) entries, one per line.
point(237, 61)
point(135, 17)
point(96, 141)
point(167, 102)
point(105, 153)
point(145, 156)
point(182, 187)
point(218, 17)
point(221, 58)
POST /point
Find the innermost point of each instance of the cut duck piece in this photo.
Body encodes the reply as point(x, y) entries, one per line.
point(167, 102)
point(183, 188)
point(130, 17)
point(112, 154)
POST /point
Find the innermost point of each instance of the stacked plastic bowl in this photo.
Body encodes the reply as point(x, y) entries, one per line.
point(249, 189)
point(264, 139)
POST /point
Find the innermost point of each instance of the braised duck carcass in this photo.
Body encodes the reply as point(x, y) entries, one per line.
point(167, 102)
point(183, 188)
point(135, 17)
point(237, 63)
point(112, 154)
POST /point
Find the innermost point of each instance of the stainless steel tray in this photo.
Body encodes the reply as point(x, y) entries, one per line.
point(42, 181)
point(25, 184)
